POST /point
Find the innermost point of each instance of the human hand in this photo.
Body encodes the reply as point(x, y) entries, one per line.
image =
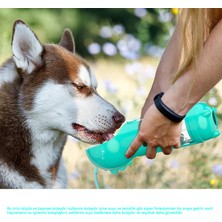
point(156, 131)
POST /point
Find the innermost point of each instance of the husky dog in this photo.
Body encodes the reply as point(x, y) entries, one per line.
point(46, 93)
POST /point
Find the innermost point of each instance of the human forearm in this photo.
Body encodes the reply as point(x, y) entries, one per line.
point(168, 65)
point(156, 130)
point(194, 84)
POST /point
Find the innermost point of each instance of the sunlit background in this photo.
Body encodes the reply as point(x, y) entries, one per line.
point(123, 47)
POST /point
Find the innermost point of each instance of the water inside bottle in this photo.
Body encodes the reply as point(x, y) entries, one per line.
point(184, 136)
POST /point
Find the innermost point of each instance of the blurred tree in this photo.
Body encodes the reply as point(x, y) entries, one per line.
point(98, 32)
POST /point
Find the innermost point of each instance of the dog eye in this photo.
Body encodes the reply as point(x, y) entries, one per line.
point(79, 87)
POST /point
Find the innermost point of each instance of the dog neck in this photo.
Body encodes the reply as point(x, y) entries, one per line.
point(47, 147)
point(28, 151)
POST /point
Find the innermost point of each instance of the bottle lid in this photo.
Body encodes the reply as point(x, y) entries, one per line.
point(202, 123)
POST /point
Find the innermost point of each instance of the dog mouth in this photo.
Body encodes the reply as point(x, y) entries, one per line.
point(92, 136)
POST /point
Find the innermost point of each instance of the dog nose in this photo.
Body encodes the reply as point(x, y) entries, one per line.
point(118, 119)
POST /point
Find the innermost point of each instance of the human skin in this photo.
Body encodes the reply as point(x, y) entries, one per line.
point(155, 129)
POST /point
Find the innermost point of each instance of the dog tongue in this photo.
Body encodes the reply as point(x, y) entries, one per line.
point(98, 136)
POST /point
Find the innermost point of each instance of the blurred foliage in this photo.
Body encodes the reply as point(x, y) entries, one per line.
point(126, 84)
point(110, 30)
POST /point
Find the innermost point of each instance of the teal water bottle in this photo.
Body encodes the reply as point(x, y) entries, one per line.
point(199, 125)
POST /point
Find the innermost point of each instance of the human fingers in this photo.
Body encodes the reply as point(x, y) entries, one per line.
point(177, 145)
point(167, 150)
point(151, 152)
point(133, 147)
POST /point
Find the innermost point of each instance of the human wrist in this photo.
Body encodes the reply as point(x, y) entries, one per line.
point(165, 110)
point(149, 100)
point(179, 103)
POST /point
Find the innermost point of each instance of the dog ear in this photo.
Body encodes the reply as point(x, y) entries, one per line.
point(26, 48)
point(67, 41)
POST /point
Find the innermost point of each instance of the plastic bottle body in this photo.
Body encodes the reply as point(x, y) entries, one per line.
point(199, 125)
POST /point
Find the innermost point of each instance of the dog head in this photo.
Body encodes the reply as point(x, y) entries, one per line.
point(59, 90)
